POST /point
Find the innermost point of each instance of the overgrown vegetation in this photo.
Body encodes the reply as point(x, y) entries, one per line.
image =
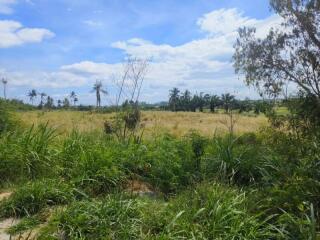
point(115, 184)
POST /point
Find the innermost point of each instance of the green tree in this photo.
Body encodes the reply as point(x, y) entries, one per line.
point(73, 96)
point(214, 102)
point(66, 103)
point(227, 101)
point(42, 96)
point(290, 55)
point(32, 95)
point(174, 99)
point(98, 89)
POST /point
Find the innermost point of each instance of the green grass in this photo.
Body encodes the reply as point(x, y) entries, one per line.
point(263, 185)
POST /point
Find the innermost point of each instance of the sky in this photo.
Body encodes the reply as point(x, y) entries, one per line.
point(66, 45)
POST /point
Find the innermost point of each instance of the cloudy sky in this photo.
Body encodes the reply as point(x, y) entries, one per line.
point(64, 45)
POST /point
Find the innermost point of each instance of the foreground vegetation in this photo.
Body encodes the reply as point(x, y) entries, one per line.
point(91, 185)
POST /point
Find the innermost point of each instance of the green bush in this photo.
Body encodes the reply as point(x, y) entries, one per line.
point(111, 218)
point(35, 196)
point(27, 154)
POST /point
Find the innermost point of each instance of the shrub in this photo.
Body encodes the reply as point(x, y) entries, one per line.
point(210, 211)
point(27, 154)
point(111, 218)
point(35, 196)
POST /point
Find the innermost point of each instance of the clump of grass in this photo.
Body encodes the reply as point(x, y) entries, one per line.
point(27, 154)
point(210, 211)
point(35, 196)
point(113, 217)
point(25, 224)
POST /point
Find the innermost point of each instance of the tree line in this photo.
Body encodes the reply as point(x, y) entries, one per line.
point(186, 101)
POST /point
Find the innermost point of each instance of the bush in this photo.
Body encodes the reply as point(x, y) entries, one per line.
point(234, 160)
point(35, 196)
point(111, 218)
point(7, 122)
point(27, 154)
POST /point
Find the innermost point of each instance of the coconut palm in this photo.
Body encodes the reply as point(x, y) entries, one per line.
point(75, 100)
point(42, 96)
point(73, 97)
point(4, 82)
point(32, 95)
point(98, 89)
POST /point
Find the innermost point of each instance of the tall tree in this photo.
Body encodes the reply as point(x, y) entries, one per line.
point(73, 96)
point(32, 95)
point(50, 103)
point(214, 102)
point(186, 100)
point(98, 89)
point(174, 99)
point(287, 55)
point(42, 96)
point(4, 82)
point(59, 103)
point(227, 101)
point(66, 103)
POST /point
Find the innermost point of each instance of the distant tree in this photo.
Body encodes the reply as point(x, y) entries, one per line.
point(73, 96)
point(185, 100)
point(42, 96)
point(49, 103)
point(214, 102)
point(75, 100)
point(4, 82)
point(98, 89)
point(32, 95)
point(201, 102)
point(227, 101)
point(59, 103)
point(66, 103)
point(174, 99)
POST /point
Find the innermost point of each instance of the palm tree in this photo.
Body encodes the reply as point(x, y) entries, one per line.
point(4, 82)
point(174, 98)
point(42, 95)
point(227, 100)
point(73, 96)
point(214, 102)
point(75, 100)
point(59, 103)
point(97, 88)
point(32, 95)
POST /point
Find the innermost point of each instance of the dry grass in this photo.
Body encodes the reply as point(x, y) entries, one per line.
point(155, 121)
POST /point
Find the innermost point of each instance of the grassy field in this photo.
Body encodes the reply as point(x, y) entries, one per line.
point(57, 184)
point(177, 124)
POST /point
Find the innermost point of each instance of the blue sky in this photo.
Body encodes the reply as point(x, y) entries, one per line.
point(64, 45)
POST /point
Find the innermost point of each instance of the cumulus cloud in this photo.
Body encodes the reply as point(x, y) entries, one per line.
point(202, 64)
point(6, 6)
point(12, 33)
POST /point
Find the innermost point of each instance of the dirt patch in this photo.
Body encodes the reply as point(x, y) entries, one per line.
point(140, 188)
point(4, 225)
point(5, 195)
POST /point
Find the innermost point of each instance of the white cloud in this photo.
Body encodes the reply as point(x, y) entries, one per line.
point(202, 64)
point(6, 6)
point(12, 33)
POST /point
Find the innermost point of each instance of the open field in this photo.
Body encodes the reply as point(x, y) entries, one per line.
point(177, 124)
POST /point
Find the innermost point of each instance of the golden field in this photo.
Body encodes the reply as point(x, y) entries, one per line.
point(155, 122)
